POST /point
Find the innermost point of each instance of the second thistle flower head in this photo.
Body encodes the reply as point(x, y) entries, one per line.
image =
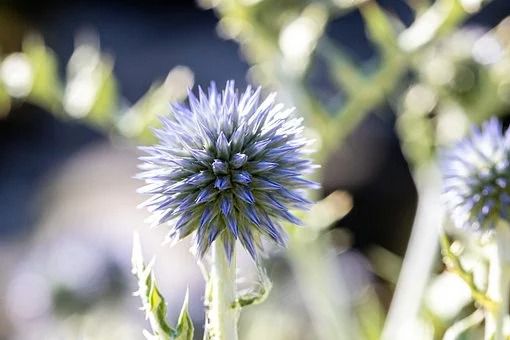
point(228, 167)
point(476, 176)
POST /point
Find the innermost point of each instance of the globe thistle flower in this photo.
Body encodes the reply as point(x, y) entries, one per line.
point(476, 176)
point(227, 166)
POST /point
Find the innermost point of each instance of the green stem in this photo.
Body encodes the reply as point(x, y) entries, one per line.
point(454, 265)
point(499, 283)
point(322, 287)
point(223, 313)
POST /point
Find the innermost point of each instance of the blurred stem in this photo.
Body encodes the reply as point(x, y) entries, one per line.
point(419, 258)
point(438, 20)
point(419, 6)
point(222, 311)
point(498, 283)
point(453, 263)
point(371, 92)
point(344, 71)
point(460, 327)
point(324, 292)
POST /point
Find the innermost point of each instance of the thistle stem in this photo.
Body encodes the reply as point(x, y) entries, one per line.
point(223, 314)
point(499, 283)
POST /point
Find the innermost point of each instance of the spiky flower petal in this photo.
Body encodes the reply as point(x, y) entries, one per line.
point(227, 166)
point(476, 176)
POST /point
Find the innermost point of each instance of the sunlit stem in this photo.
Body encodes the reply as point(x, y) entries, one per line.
point(223, 314)
point(460, 327)
point(498, 287)
point(418, 262)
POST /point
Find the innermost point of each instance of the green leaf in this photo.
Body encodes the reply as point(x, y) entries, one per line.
point(153, 303)
point(185, 327)
point(159, 312)
point(257, 294)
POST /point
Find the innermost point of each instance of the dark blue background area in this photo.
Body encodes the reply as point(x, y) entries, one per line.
point(147, 41)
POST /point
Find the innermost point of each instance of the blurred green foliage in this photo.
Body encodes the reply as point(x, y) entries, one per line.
point(89, 92)
point(285, 40)
point(436, 75)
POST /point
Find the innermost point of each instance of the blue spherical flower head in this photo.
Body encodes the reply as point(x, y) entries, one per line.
point(227, 166)
point(476, 175)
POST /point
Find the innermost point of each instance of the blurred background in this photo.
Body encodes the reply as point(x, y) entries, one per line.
point(382, 86)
